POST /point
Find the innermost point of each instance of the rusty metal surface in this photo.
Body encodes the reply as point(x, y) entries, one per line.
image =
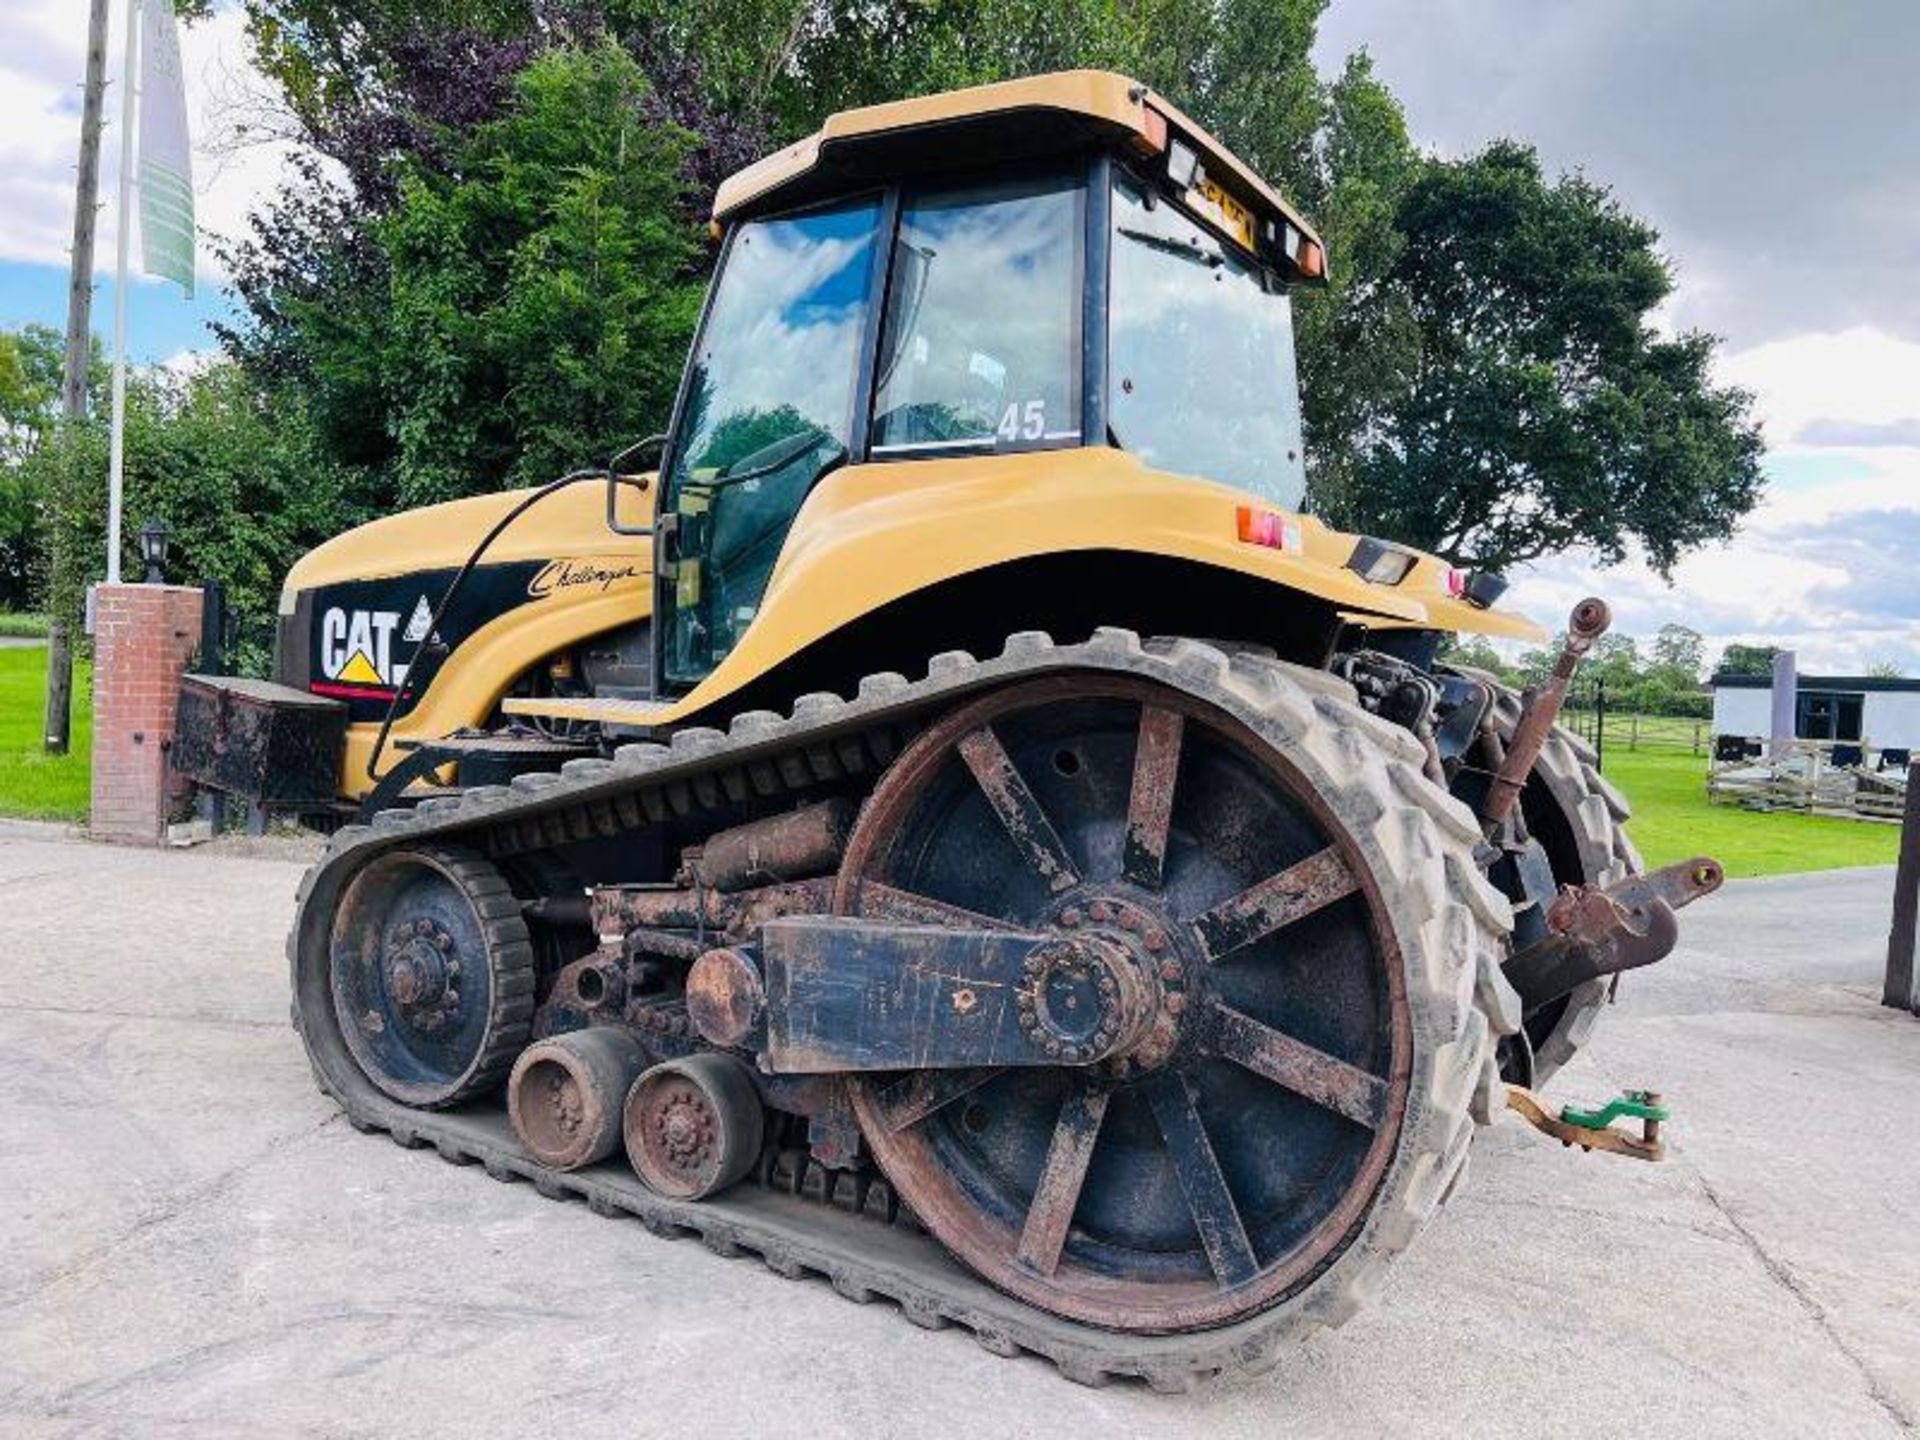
point(1322, 1078)
point(1026, 823)
point(1594, 932)
point(565, 1095)
point(1156, 765)
point(265, 742)
point(693, 1126)
point(726, 997)
point(1276, 902)
point(1539, 710)
point(1061, 1178)
point(793, 846)
point(1545, 1118)
point(1029, 1249)
point(847, 995)
point(646, 783)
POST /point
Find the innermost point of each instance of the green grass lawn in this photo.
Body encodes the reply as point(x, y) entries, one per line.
point(33, 784)
point(1673, 821)
point(23, 627)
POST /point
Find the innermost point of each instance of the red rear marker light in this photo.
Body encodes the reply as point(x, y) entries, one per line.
point(1456, 582)
point(1264, 527)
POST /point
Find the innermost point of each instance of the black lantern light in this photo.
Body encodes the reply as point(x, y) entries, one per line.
point(153, 550)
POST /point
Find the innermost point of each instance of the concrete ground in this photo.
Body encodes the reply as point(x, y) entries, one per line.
point(194, 1243)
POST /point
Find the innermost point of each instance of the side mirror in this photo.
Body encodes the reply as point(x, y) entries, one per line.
point(623, 463)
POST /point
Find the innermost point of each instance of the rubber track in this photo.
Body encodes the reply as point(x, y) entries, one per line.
point(1449, 920)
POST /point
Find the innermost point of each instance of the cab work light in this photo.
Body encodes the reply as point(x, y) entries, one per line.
point(1264, 527)
point(1479, 588)
point(1379, 562)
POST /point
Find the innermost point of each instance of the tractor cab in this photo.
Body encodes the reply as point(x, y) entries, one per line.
point(1043, 265)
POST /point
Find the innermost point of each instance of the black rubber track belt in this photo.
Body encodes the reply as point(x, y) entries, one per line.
point(1460, 918)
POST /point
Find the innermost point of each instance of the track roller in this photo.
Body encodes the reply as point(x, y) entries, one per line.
point(693, 1126)
point(566, 1093)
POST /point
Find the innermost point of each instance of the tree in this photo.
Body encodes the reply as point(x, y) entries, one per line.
point(519, 307)
point(1476, 653)
point(1680, 650)
point(240, 484)
point(30, 366)
point(1738, 659)
point(1885, 670)
point(1542, 410)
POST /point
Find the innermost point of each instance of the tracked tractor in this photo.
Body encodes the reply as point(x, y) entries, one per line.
point(941, 817)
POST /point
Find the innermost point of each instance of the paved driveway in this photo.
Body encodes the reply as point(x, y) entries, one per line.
point(194, 1243)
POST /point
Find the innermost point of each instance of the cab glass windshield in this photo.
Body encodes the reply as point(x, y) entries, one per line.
point(767, 411)
point(1200, 354)
point(981, 345)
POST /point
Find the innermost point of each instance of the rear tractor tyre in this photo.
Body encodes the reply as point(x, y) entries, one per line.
point(1304, 907)
point(431, 974)
point(694, 1126)
point(566, 1095)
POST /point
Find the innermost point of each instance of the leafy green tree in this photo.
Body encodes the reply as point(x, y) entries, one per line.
point(535, 294)
point(240, 485)
point(1738, 659)
point(1885, 670)
point(540, 300)
point(1543, 411)
point(1680, 649)
point(30, 372)
point(1480, 376)
point(1358, 343)
point(1476, 653)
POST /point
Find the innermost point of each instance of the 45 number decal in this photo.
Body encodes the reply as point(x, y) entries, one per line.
point(1026, 421)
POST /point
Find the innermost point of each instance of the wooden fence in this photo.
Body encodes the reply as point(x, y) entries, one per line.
point(1802, 776)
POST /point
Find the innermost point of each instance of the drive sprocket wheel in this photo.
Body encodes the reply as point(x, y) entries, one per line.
point(431, 974)
point(1303, 909)
point(1580, 820)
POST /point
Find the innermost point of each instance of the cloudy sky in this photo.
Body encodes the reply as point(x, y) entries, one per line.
point(1774, 144)
point(1776, 147)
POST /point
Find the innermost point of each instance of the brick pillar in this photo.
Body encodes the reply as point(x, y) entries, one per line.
point(144, 636)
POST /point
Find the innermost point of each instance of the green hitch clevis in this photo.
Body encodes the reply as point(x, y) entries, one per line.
point(1637, 1104)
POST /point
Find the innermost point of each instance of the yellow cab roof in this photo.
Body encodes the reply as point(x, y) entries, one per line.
point(1007, 121)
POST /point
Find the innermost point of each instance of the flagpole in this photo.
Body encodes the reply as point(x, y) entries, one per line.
point(116, 449)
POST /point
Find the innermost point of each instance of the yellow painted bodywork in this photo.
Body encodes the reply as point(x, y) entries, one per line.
point(873, 534)
point(1126, 109)
point(568, 526)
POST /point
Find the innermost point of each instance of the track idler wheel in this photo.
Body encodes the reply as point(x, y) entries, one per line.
point(693, 1126)
point(431, 974)
point(566, 1094)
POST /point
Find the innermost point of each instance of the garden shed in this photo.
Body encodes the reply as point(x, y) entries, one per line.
point(1879, 711)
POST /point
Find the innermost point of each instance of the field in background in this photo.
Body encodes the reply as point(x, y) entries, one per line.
point(1672, 820)
point(33, 784)
point(23, 627)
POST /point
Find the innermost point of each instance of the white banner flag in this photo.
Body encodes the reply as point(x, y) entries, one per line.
point(166, 153)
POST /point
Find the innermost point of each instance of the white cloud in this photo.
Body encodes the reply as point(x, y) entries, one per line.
point(1777, 158)
point(238, 158)
point(1861, 375)
point(1829, 562)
